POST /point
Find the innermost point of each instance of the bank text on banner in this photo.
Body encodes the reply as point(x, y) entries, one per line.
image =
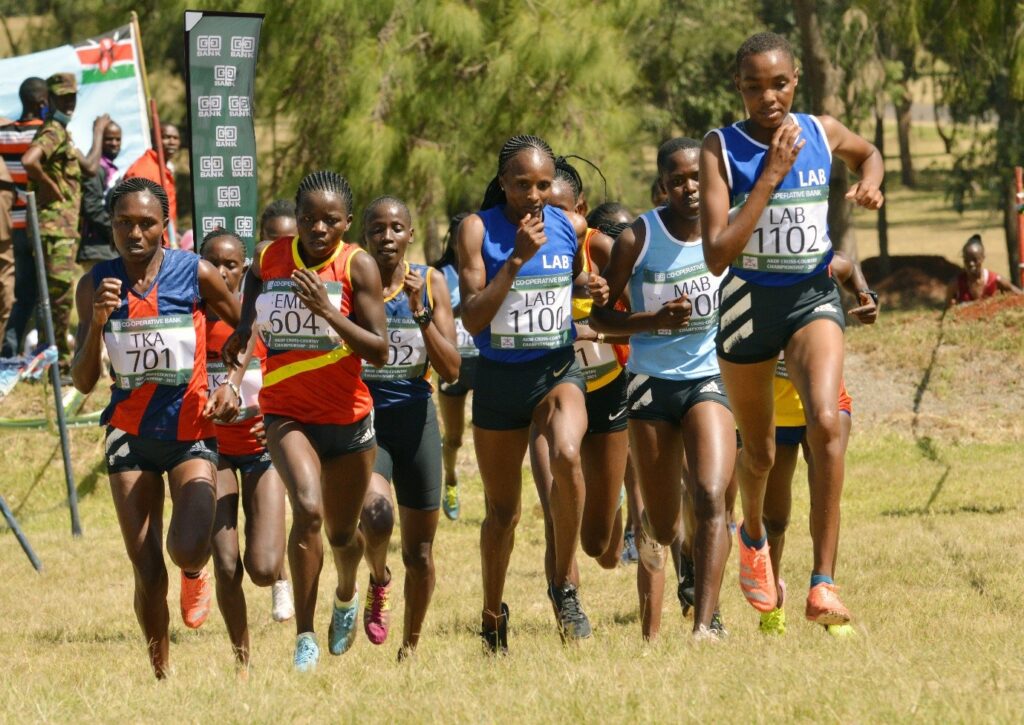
point(220, 76)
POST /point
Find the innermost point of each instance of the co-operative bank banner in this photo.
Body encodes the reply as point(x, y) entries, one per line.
point(220, 74)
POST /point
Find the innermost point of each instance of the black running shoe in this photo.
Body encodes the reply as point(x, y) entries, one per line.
point(572, 621)
point(496, 640)
point(687, 591)
point(718, 626)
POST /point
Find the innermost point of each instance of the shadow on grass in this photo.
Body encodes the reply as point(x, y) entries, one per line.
point(71, 636)
point(953, 511)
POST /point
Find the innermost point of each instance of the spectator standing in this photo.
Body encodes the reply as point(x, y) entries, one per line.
point(6, 249)
point(97, 238)
point(55, 167)
point(147, 166)
point(15, 138)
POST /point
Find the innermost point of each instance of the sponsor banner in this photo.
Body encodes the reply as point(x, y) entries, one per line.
point(220, 75)
point(109, 81)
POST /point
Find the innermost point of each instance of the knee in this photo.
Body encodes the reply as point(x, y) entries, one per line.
point(824, 426)
point(709, 501)
point(453, 441)
point(594, 540)
point(226, 566)
point(151, 576)
point(565, 458)
point(503, 516)
point(419, 559)
point(776, 526)
point(307, 515)
point(758, 460)
point(263, 569)
point(189, 549)
point(377, 519)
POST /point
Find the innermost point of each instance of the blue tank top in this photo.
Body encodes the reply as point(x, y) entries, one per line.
point(536, 314)
point(405, 377)
point(463, 340)
point(665, 269)
point(790, 241)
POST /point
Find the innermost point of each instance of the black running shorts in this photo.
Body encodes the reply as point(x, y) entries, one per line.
point(506, 393)
point(332, 440)
point(606, 406)
point(127, 452)
point(409, 453)
point(653, 398)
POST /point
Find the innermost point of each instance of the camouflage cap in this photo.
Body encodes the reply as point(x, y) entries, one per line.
point(61, 84)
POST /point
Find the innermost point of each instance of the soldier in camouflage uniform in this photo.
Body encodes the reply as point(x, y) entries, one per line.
point(55, 167)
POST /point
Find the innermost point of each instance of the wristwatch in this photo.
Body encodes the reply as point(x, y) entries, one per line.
point(423, 317)
point(236, 391)
point(870, 293)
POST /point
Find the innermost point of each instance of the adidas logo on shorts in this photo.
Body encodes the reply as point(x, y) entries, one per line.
point(827, 307)
point(198, 447)
point(710, 387)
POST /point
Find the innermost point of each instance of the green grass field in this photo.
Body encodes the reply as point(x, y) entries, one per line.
point(928, 563)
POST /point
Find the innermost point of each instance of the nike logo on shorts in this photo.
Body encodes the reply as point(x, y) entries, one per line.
point(558, 373)
point(616, 416)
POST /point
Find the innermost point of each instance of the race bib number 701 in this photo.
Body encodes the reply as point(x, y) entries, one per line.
point(157, 350)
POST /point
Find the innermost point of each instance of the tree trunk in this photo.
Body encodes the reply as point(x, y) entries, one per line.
point(903, 122)
point(823, 80)
point(883, 219)
point(1010, 228)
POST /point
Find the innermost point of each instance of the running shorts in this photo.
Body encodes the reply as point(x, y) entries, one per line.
point(331, 440)
point(789, 435)
point(653, 398)
point(466, 381)
point(258, 463)
point(506, 393)
point(409, 453)
point(127, 452)
point(756, 322)
point(606, 406)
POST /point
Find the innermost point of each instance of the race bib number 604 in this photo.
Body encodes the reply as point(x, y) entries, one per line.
point(287, 324)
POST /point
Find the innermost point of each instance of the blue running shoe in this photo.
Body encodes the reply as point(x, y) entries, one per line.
point(629, 552)
point(343, 626)
point(450, 501)
point(307, 652)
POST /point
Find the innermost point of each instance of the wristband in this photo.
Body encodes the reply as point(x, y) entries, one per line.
point(236, 391)
point(870, 293)
point(423, 317)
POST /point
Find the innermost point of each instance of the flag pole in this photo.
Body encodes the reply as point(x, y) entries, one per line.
point(47, 315)
point(12, 523)
point(142, 55)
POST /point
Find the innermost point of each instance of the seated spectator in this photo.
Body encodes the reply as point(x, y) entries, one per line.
point(976, 282)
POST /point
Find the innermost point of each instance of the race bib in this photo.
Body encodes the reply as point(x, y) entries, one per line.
point(464, 341)
point(596, 359)
point(535, 314)
point(286, 324)
point(252, 381)
point(157, 350)
point(791, 235)
point(697, 283)
point(407, 354)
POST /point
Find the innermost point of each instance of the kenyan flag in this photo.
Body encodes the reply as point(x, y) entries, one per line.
point(110, 57)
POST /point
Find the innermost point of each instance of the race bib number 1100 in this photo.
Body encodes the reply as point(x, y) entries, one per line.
point(535, 314)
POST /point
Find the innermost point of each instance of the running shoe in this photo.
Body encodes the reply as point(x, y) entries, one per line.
point(652, 554)
point(572, 621)
point(195, 599)
point(629, 552)
point(450, 501)
point(283, 604)
point(307, 652)
point(705, 634)
point(496, 640)
point(756, 579)
point(343, 626)
point(774, 622)
point(718, 626)
point(377, 611)
point(687, 591)
point(841, 631)
point(825, 607)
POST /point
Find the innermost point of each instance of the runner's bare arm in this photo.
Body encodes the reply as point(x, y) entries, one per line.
point(240, 338)
point(94, 309)
point(480, 299)
point(216, 295)
point(439, 334)
point(862, 158)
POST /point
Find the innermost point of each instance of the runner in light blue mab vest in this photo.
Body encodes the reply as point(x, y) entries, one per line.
point(452, 396)
point(764, 186)
point(421, 335)
point(676, 399)
point(518, 270)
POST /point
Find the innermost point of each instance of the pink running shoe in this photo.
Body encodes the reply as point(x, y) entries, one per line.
point(377, 611)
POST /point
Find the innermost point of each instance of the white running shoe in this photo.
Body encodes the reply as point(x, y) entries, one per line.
point(652, 554)
point(283, 603)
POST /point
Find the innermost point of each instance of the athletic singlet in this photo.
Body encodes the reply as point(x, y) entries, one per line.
point(789, 409)
point(463, 340)
point(234, 439)
point(599, 361)
point(157, 347)
point(989, 288)
point(310, 374)
point(790, 241)
point(665, 269)
point(536, 315)
point(406, 376)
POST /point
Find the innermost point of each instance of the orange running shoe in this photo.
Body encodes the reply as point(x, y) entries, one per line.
point(756, 578)
point(195, 599)
point(825, 607)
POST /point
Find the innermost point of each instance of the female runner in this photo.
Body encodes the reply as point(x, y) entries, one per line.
point(764, 206)
point(242, 454)
point(676, 403)
point(148, 307)
point(318, 306)
point(518, 270)
point(452, 395)
point(421, 335)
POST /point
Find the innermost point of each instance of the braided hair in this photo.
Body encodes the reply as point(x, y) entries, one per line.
point(448, 255)
point(328, 181)
point(139, 185)
point(217, 233)
point(381, 201)
point(763, 43)
point(278, 208)
point(665, 151)
point(603, 218)
point(494, 195)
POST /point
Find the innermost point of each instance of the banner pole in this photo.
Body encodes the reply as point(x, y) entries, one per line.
point(1018, 172)
point(47, 315)
point(142, 54)
point(12, 524)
